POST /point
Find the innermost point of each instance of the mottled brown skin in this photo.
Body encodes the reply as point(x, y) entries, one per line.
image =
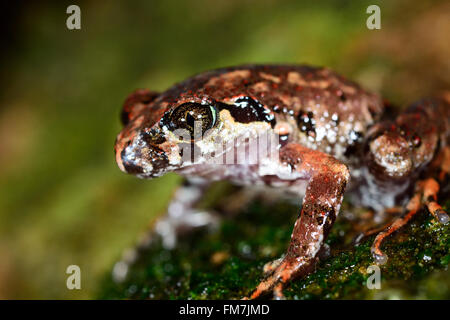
point(329, 129)
point(290, 92)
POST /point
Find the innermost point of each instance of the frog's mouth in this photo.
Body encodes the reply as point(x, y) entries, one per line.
point(142, 159)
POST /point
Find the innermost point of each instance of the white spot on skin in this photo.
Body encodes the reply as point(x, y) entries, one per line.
point(321, 132)
point(331, 136)
point(334, 117)
point(283, 128)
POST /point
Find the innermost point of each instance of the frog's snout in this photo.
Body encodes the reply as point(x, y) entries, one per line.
point(141, 158)
point(389, 155)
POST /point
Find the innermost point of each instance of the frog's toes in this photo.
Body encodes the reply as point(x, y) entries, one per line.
point(278, 292)
point(379, 257)
point(442, 216)
point(285, 271)
point(439, 214)
point(270, 266)
point(268, 285)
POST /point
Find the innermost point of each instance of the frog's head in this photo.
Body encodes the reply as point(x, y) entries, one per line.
point(177, 134)
point(395, 150)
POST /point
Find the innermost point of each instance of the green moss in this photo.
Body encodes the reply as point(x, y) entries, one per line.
point(227, 264)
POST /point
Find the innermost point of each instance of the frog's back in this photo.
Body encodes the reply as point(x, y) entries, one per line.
point(328, 112)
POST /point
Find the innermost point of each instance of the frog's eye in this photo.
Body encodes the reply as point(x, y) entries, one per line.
point(190, 115)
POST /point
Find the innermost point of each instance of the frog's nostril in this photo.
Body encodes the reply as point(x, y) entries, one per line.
point(143, 159)
point(129, 163)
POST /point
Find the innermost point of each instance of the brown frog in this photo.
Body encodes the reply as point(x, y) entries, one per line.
point(318, 132)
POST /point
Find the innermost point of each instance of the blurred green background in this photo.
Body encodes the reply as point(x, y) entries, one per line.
point(63, 201)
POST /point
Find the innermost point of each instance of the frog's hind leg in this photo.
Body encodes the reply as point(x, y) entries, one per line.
point(386, 215)
point(425, 195)
point(430, 189)
point(413, 207)
point(327, 179)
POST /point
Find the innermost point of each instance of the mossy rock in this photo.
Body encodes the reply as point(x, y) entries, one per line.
point(227, 263)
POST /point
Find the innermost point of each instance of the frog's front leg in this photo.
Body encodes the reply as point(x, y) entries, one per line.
point(183, 215)
point(327, 179)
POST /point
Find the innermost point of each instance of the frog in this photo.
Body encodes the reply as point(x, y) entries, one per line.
point(328, 137)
